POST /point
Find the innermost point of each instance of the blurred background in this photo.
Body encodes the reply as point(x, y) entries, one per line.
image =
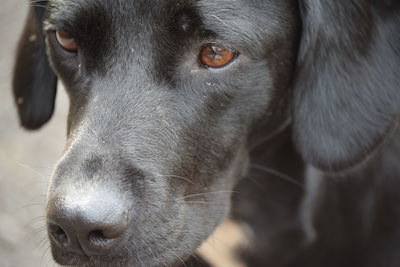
point(26, 161)
point(26, 158)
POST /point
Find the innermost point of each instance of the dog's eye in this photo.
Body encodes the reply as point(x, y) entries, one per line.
point(66, 41)
point(216, 56)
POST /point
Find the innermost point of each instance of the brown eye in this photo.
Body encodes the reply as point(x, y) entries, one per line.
point(216, 56)
point(66, 41)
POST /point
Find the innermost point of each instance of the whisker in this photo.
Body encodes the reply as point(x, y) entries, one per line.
point(41, 175)
point(27, 206)
point(170, 250)
point(38, 3)
point(278, 174)
point(140, 259)
point(206, 194)
point(200, 202)
point(42, 258)
point(151, 251)
point(176, 176)
point(34, 220)
point(43, 242)
point(34, 233)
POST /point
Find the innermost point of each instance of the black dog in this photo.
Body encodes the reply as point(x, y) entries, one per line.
point(282, 113)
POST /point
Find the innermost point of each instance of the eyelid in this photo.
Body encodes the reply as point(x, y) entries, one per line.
point(66, 41)
point(56, 48)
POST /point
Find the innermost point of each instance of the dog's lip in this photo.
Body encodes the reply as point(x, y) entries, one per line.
point(77, 260)
point(70, 258)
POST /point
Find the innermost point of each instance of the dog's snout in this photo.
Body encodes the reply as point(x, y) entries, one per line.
point(90, 228)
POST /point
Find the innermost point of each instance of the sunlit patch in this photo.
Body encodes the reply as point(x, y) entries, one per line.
point(219, 249)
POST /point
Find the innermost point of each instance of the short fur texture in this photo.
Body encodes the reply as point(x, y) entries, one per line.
point(297, 139)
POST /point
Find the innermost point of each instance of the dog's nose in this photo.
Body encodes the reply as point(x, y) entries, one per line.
point(92, 228)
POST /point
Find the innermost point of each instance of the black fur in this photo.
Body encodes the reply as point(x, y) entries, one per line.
point(347, 75)
point(34, 81)
point(302, 127)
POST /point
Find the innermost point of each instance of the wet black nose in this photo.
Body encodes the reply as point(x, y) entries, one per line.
point(91, 228)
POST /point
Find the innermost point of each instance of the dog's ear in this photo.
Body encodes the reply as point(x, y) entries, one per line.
point(34, 82)
point(347, 86)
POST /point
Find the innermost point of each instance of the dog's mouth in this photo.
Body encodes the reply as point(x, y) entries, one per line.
point(74, 259)
point(66, 258)
point(153, 253)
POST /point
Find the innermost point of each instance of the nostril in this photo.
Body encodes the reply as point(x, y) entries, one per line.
point(98, 239)
point(95, 229)
point(58, 234)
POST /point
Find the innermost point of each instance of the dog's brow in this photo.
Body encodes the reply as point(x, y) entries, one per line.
point(67, 13)
point(61, 14)
point(242, 22)
point(222, 18)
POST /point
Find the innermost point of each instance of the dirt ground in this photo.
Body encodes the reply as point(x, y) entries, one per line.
point(26, 160)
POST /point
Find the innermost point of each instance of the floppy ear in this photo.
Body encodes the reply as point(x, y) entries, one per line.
point(34, 82)
point(347, 86)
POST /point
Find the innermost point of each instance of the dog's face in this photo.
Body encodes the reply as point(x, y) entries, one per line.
point(164, 97)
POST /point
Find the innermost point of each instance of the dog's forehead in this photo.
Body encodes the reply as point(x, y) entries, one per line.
point(216, 13)
point(133, 8)
point(145, 6)
point(109, 29)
